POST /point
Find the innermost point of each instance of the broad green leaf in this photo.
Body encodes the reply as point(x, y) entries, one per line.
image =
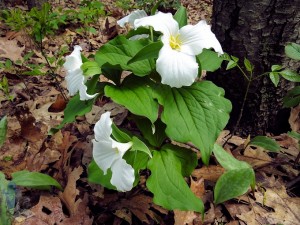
point(274, 78)
point(90, 68)
point(181, 16)
point(236, 180)
point(209, 60)
point(96, 175)
point(233, 183)
point(294, 134)
point(148, 52)
point(197, 113)
point(7, 200)
point(120, 135)
point(228, 161)
point(266, 143)
point(138, 145)
point(120, 50)
point(248, 65)
point(231, 64)
point(187, 157)
point(138, 31)
point(292, 50)
point(3, 130)
point(290, 75)
point(136, 95)
point(292, 98)
point(112, 72)
point(276, 68)
point(168, 186)
point(34, 180)
point(235, 59)
point(154, 133)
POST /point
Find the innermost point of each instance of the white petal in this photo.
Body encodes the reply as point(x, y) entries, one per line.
point(162, 22)
point(137, 14)
point(138, 37)
point(103, 154)
point(122, 175)
point(103, 128)
point(122, 147)
point(83, 94)
point(73, 61)
point(176, 68)
point(74, 80)
point(196, 37)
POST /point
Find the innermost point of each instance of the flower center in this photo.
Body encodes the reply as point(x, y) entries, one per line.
point(175, 42)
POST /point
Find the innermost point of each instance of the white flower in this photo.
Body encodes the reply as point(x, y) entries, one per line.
point(75, 78)
point(176, 62)
point(137, 14)
point(108, 153)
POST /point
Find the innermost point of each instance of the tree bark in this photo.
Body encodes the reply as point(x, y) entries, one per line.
point(257, 30)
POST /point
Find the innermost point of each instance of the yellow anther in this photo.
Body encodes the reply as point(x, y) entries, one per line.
point(175, 42)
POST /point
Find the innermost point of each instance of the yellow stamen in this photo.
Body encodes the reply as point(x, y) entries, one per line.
point(175, 42)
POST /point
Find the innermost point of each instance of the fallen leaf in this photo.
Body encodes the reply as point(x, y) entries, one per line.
point(10, 49)
point(211, 172)
point(59, 104)
point(68, 196)
point(294, 119)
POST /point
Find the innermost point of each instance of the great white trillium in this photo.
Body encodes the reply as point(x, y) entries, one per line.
point(176, 62)
point(75, 78)
point(109, 153)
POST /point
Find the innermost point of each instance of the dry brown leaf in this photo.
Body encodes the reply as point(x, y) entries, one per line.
point(211, 172)
point(273, 206)
point(9, 49)
point(294, 119)
point(59, 104)
point(68, 196)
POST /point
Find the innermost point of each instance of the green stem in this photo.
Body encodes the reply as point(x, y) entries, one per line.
point(151, 34)
point(244, 74)
point(261, 75)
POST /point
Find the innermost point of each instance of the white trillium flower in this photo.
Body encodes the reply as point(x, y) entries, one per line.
point(108, 153)
point(75, 78)
point(176, 62)
point(137, 14)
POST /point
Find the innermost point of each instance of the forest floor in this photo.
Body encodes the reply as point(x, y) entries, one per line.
point(34, 104)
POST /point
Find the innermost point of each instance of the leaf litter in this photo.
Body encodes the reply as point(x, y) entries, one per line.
point(38, 106)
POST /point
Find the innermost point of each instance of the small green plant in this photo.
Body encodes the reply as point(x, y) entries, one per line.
point(4, 86)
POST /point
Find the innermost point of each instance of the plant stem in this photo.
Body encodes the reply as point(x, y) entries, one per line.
point(151, 34)
point(51, 70)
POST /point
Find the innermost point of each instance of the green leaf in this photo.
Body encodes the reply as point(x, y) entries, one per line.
point(274, 78)
point(7, 200)
point(181, 16)
point(290, 75)
point(112, 72)
point(34, 72)
point(236, 180)
point(249, 66)
point(92, 30)
point(276, 68)
point(136, 95)
point(209, 60)
point(90, 68)
point(235, 59)
point(120, 135)
point(3, 130)
point(120, 50)
point(292, 98)
point(294, 134)
point(266, 143)
point(96, 175)
point(231, 64)
point(227, 160)
point(138, 145)
point(187, 158)
point(34, 180)
point(232, 183)
point(168, 186)
point(148, 52)
point(292, 50)
point(155, 134)
point(197, 113)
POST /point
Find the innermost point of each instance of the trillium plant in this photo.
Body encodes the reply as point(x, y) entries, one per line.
point(174, 112)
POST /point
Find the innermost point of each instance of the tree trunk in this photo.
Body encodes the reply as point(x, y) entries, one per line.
point(257, 30)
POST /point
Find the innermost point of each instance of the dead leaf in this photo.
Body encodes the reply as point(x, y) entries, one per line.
point(211, 172)
point(59, 104)
point(68, 196)
point(294, 119)
point(10, 49)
